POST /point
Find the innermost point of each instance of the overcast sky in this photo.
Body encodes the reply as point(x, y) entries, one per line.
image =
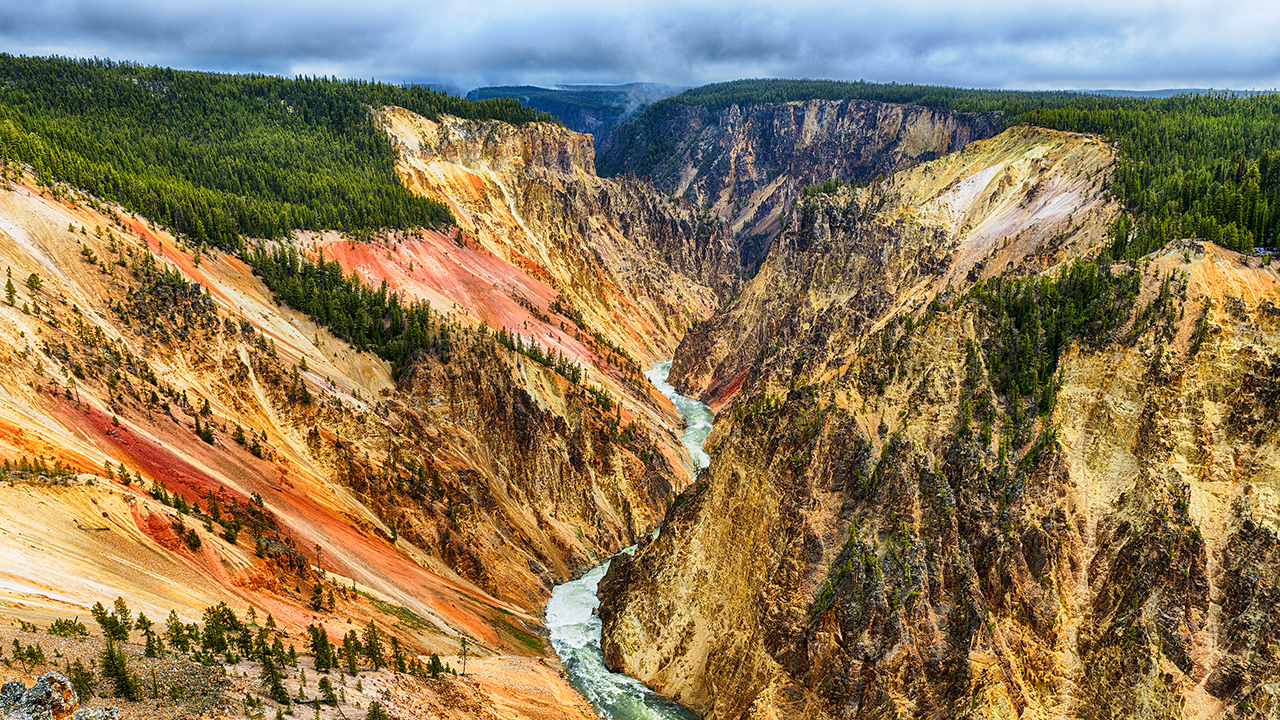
point(1135, 44)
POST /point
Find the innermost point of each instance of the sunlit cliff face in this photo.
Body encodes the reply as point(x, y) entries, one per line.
point(903, 563)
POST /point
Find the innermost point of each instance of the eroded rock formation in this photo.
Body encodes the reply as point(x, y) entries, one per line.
point(748, 163)
point(49, 698)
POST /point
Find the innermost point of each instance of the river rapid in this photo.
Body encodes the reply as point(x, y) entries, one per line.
point(574, 626)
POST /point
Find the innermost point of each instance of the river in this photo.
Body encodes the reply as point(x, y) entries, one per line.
point(574, 626)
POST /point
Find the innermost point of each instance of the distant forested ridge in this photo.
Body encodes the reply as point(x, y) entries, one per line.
point(747, 92)
point(218, 157)
point(594, 109)
point(1200, 165)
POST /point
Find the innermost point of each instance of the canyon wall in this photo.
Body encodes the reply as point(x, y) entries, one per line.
point(175, 437)
point(748, 163)
point(902, 519)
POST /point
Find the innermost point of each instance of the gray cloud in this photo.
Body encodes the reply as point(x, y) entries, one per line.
point(972, 43)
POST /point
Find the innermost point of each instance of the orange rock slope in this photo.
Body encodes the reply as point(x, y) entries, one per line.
point(158, 449)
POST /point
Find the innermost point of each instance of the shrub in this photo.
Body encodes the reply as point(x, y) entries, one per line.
point(67, 628)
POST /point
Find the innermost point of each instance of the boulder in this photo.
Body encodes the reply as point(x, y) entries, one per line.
point(51, 698)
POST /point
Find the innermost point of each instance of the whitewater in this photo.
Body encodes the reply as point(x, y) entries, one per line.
point(574, 625)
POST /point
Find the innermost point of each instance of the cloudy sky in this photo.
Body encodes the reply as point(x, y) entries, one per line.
point(1137, 44)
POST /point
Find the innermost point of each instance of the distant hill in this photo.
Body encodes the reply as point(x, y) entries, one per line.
point(594, 109)
point(1171, 92)
point(442, 87)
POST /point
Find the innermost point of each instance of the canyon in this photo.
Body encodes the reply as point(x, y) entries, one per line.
point(177, 438)
point(962, 465)
point(748, 163)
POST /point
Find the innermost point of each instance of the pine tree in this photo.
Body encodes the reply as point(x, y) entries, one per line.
point(373, 645)
point(154, 646)
point(115, 625)
point(327, 695)
point(214, 637)
point(351, 648)
point(115, 667)
point(82, 680)
point(176, 632)
point(272, 679)
point(321, 648)
point(397, 655)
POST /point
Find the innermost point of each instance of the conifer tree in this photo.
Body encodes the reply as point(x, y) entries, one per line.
point(373, 645)
point(176, 632)
point(273, 679)
point(115, 667)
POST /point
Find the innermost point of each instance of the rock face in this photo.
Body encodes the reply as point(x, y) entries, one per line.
point(886, 531)
point(550, 484)
point(639, 266)
point(1020, 202)
point(50, 698)
point(748, 163)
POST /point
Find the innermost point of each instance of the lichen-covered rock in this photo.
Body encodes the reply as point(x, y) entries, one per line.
point(96, 713)
point(10, 694)
point(50, 698)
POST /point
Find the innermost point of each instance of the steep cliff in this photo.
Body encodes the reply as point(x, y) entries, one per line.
point(748, 163)
point(637, 264)
point(974, 476)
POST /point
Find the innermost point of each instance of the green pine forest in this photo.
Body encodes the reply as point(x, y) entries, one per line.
point(369, 319)
point(1204, 165)
point(220, 157)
